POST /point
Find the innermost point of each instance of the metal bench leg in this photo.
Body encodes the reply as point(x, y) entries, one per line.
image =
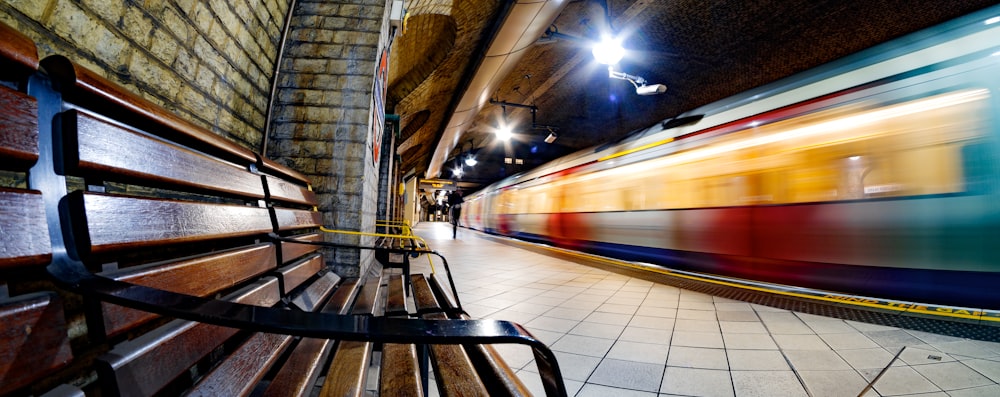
point(406, 274)
point(424, 362)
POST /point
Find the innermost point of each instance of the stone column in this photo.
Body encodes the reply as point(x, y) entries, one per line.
point(324, 115)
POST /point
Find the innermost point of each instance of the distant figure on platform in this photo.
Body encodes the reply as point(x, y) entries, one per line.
point(455, 201)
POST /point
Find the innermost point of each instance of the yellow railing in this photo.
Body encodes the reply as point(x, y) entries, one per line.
point(403, 226)
point(407, 234)
point(420, 247)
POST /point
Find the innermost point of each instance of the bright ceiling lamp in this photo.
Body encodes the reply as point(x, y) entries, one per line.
point(471, 161)
point(504, 133)
point(609, 51)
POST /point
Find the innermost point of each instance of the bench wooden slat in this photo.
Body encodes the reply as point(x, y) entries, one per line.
point(292, 219)
point(18, 129)
point(316, 292)
point(297, 273)
point(24, 236)
point(400, 371)
point(87, 89)
point(349, 368)
point(282, 190)
point(423, 295)
point(99, 148)
point(454, 371)
point(367, 298)
point(342, 298)
point(271, 167)
point(18, 55)
point(35, 341)
point(396, 302)
point(119, 222)
point(240, 373)
point(290, 251)
point(201, 276)
point(143, 366)
point(298, 374)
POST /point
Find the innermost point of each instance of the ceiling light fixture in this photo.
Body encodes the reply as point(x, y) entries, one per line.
point(609, 51)
point(469, 158)
point(552, 135)
point(504, 133)
point(640, 83)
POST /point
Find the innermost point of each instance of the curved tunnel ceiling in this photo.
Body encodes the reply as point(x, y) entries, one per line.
point(526, 22)
point(430, 48)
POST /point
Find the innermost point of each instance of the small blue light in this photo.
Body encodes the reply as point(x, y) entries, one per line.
point(534, 149)
point(613, 98)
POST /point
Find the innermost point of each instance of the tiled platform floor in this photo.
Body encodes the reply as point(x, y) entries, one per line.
point(620, 336)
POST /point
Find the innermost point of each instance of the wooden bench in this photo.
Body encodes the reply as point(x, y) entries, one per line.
point(192, 265)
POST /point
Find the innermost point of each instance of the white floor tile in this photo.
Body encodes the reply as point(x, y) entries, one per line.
point(620, 336)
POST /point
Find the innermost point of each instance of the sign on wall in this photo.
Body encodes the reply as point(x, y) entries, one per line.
point(378, 92)
point(438, 184)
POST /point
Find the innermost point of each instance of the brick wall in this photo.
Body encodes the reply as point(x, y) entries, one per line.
point(212, 62)
point(209, 61)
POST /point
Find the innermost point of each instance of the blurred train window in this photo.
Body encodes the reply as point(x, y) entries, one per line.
point(508, 201)
point(869, 149)
point(536, 199)
point(909, 148)
point(862, 150)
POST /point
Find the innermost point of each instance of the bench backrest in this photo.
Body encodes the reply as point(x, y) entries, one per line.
point(159, 202)
point(155, 201)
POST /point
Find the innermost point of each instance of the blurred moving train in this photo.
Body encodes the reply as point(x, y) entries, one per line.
point(877, 174)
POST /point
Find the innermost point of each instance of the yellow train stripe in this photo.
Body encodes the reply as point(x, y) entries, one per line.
point(638, 149)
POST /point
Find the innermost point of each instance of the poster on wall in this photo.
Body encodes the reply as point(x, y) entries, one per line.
point(378, 115)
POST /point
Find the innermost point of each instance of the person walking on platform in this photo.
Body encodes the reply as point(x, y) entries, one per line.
point(455, 201)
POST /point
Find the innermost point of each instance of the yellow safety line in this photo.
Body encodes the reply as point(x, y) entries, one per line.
point(767, 290)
